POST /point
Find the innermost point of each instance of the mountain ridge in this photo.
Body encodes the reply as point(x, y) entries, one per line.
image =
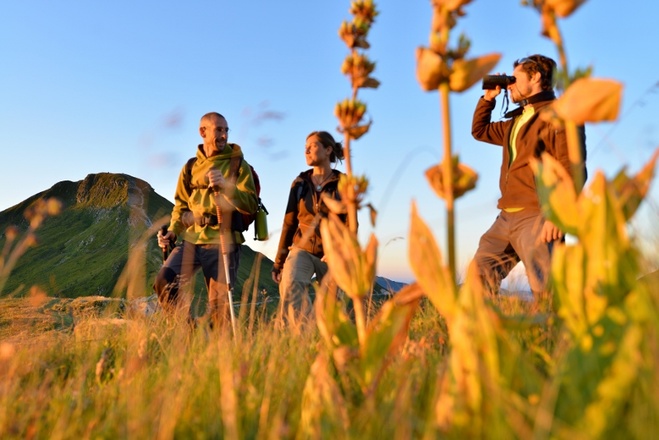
point(84, 250)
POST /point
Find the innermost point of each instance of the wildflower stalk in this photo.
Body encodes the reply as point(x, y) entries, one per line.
point(574, 151)
point(447, 165)
point(552, 31)
point(595, 281)
point(573, 147)
point(446, 69)
point(351, 199)
point(350, 113)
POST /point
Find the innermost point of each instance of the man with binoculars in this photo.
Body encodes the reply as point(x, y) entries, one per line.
point(520, 232)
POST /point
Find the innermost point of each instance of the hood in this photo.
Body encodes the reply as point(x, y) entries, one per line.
point(230, 150)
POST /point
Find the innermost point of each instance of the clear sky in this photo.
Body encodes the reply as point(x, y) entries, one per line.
point(119, 86)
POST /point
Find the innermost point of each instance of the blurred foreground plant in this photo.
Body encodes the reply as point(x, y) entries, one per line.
point(356, 352)
point(15, 245)
point(595, 377)
point(585, 99)
point(444, 68)
point(352, 188)
point(479, 394)
point(605, 310)
point(601, 355)
point(350, 112)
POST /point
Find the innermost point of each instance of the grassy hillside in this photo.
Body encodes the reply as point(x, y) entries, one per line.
point(83, 250)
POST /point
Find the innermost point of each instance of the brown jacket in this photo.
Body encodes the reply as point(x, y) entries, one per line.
point(517, 181)
point(304, 210)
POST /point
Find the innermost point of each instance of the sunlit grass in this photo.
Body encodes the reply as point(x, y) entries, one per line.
point(444, 361)
point(93, 370)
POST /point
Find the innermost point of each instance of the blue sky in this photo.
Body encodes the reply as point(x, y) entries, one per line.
point(119, 86)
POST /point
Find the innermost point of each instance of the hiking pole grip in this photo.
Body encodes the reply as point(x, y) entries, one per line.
point(165, 250)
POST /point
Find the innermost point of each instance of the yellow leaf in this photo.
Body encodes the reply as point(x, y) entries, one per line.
point(464, 179)
point(549, 27)
point(357, 131)
point(322, 400)
point(450, 5)
point(563, 8)
point(590, 100)
point(426, 263)
point(335, 206)
point(465, 74)
point(386, 334)
point(611, 265)
point(409, 293)
point(569, 273)
point(430, 69)
point(352, 269)
point(441, 19)
point(373, 214)
point(558, 197)
point(367, 82)
point(631, 192)
point(334, 325)
point(437, 44)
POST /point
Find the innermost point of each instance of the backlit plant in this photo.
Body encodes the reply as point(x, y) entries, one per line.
point(445, 68)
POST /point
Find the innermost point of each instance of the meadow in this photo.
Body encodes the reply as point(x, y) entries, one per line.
point(93, 369)
point(438, 359)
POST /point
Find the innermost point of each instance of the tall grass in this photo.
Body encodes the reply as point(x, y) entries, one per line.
point(436, 360)
point(113, 375)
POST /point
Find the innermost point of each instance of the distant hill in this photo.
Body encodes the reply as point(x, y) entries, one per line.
point(84, 250)
point(389, 285)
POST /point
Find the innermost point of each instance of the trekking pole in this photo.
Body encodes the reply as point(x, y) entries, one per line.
point(166, 250)
point(225, 258)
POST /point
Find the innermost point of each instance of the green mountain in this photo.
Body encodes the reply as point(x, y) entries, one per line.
point(104, 233)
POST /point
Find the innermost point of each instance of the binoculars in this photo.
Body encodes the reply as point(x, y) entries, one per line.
point(490, 82)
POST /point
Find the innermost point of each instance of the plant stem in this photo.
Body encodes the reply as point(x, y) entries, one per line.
point(573, 144)
point(351, 203)
point(574, 153)
point(352, 224)
point(360, 320)
point(447, 163)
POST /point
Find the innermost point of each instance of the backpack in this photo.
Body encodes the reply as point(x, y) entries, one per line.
point(239, 222)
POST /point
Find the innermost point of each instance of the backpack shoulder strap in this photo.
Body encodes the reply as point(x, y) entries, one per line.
point(234, 167)
point(187, 174)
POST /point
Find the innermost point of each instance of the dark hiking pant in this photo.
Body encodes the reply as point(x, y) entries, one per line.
point(179, 270)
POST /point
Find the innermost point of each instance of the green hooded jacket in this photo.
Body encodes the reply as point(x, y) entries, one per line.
point(201, 200)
